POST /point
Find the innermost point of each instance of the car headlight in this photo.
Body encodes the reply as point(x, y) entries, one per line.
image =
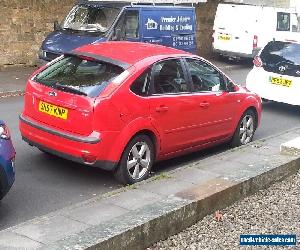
point(4, 132)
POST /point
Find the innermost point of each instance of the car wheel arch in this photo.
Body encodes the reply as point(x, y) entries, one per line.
point(133, 129)
point(254, 110)
point(251, 103)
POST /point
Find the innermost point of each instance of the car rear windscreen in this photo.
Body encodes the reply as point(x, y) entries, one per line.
point(79, 75)
point(282, 58)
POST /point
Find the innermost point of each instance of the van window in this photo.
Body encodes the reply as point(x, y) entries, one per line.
point(282, 58)
point(168, 77)
point(283, 21)
point(127, 26)
point(90, 18)
point(79, 75)
point(132, 24)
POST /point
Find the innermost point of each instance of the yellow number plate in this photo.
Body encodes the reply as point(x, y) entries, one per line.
point(224, 37)
point(53, 110)
point(280, 81)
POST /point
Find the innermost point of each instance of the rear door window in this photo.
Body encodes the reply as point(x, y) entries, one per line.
point(281, 57)
point(283, 21)
point(78, 75)
point(168, 77)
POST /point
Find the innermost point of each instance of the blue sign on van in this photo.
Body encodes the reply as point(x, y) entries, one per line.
point(96, 21)
point(170, 28)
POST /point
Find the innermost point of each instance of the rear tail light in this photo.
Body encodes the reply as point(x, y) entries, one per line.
point(257, 61)
point(4, 132)
point(255, 41)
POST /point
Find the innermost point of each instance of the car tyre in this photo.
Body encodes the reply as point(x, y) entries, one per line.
point(136, 161)
point(245, 130)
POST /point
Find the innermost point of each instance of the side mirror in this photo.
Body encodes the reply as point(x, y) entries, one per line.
point(56, 25)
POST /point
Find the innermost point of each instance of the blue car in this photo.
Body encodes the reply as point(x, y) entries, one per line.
point(7, 160)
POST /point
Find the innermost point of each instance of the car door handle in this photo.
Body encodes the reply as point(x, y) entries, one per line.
point(161, 108)
point(204, 104)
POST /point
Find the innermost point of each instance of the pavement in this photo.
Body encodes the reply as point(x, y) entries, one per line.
point(12, 81)
point(136, 216)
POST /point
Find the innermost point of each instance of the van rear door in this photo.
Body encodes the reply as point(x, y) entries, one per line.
point(236, 29)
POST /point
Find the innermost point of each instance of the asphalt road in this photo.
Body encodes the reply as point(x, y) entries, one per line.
point(44, 183)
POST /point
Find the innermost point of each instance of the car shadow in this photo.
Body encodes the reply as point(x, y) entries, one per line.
point(281, 107)
point(191, 158)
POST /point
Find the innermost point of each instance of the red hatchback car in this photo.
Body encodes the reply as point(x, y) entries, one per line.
point(121, 106)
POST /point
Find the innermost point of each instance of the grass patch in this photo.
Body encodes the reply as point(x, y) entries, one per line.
point(161, 176)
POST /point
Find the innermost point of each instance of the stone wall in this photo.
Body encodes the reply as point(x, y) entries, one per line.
point(205, 13)
point(25, 23)
point(23, 26)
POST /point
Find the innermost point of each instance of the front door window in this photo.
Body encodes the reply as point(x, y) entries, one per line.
point(204, 77)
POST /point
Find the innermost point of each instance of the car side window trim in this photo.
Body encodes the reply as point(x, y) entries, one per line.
point(151, 89)
point(146, 83)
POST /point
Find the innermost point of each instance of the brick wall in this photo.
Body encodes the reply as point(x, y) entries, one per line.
point(23, 26)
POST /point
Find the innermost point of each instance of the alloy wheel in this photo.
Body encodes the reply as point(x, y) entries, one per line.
point(246, 129)
point(138, 160)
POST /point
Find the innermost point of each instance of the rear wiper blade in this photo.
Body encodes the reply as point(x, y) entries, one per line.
point(68, 89)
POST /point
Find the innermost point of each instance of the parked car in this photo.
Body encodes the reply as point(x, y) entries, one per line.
point(276, 72)
point(99, 21)
point(7, 160)
point(241, 30)
point(124, 111)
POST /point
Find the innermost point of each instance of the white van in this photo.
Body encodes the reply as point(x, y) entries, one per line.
point(240, 30)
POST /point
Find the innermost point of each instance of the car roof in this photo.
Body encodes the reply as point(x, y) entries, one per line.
point(127, 53)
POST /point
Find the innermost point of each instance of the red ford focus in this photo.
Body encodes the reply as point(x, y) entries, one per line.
point(121, 106)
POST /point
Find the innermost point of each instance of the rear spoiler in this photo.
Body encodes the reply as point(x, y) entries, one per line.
point(121, 64)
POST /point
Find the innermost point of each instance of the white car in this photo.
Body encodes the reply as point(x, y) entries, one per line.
point(276, 72)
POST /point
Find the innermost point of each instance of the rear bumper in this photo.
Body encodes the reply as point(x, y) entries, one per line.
point(86, 139)
point(106, 165)
point(69, 146)
point(258, 82)
point(237, 54)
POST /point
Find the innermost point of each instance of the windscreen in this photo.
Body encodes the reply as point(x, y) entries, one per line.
point(78, 75)
point(90, 18)
point(282, 58)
